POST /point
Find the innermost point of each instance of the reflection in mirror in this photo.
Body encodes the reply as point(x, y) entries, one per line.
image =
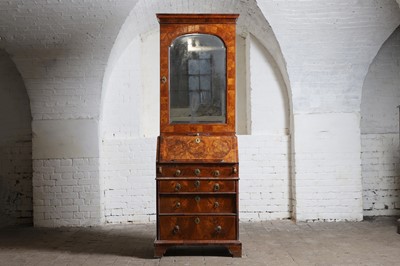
point(197, 69)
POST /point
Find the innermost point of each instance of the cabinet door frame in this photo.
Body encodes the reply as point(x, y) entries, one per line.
point(171, 27)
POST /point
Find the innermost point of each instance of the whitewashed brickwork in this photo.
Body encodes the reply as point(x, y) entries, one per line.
point(87, 69)
point(380, 131)
point(66, 192)
point(15, 147)
point(130, 128)
point(327, 59)
point(128, 169)
point(264, 172)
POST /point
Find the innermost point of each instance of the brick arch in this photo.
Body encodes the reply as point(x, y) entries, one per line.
point(380, 131)
point(123, 145)
point(251, 21)
point(15, 146)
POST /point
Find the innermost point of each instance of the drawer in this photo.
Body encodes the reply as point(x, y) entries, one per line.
point(196, 170)
point(197, 227)
point(197, 203)
point(196, 185)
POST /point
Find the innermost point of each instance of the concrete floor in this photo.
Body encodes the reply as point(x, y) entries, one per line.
point(264, 243)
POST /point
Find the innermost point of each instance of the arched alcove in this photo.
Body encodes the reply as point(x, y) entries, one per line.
point(15, 146)
point(380, 131)
point(130, 114)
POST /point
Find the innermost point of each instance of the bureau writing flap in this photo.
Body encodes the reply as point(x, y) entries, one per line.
point(181, 148)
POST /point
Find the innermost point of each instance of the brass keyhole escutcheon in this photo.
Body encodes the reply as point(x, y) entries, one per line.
point(178, 172)
point(197, 220)
point(163, 79)
point(197, 172)
point(197, 184)
point(197, 140)
point(216, 187)
point(178, 187)
point(197, 199)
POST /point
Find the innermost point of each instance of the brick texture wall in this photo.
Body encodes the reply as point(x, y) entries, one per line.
point(380, 131)
point(90, 91)
point(15, 146)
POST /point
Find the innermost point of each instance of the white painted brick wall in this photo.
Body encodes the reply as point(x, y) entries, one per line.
point(66, 192)
point(380, 131)
point(128, 170)
point(15, 147)
point(327, 56)
point(327, 47)
point(327, 183)
point(380, 172)
point(128, 173)
point(128, 162)
point(264, 177)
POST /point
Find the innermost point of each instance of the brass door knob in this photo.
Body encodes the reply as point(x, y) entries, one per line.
point(163, 79)
point(178, 187)
point(216, 187)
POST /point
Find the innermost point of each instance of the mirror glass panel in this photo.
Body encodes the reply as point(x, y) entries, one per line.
point(197, 82)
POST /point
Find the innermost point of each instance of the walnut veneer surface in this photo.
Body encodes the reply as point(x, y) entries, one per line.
point(197, 169)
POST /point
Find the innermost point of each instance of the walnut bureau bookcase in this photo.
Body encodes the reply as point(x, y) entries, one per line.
point(197, 168)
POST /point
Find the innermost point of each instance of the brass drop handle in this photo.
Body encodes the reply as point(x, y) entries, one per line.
point(197, 172)
point(178, 172)
point(234, 170)
point(178, 187)
point(216, 173)
point(163, 79)
point(197, 184)
point(216, 187)
point(176, 229)
point(218, 229)
point(216, 204)
point(177, 205)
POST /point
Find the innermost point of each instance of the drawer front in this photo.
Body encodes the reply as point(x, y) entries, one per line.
point(195, 185)
point(197, 171)
point(197, 227)
point(197, 204)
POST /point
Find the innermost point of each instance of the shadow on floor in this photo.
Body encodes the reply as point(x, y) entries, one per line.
point(133, 241)
point(198, 251)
